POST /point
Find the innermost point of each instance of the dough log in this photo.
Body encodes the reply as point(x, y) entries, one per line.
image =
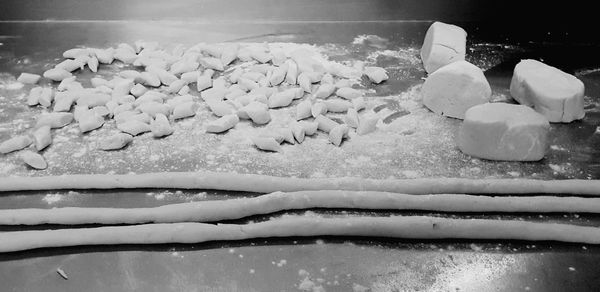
point(414, 227)
point(266, 184)
point(213, 211)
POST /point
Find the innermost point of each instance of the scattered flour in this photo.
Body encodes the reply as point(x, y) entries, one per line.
point(53, 198)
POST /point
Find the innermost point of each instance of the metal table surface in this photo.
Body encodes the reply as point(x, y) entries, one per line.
point(418, 144)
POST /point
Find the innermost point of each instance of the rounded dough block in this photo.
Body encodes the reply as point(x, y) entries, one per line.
point(453, 89)
point(443, 44)
point(500, 131)
point(555, 94)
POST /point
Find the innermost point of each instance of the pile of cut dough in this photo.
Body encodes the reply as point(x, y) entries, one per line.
point(235, 81)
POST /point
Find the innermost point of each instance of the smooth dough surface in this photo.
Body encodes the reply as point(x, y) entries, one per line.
point(443, 44)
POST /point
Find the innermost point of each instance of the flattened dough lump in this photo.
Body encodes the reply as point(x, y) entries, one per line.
point(553, 93)
point(501, 131)
point(454, 88)
point(443, 44)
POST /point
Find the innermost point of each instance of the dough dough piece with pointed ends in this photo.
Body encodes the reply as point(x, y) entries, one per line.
point(553, 93)
point(443, 44)
point(500, 131)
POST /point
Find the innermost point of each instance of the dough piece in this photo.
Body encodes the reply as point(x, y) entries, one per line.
point(104, 56)
point(281, 99)
point(278, 75)
point(220, 108)
point(443, 44)
point(266, 144)
point(500, 131)
point(367, 125)
point(57, 74)
point(69, 84)
point(337, 134)
point(278, 57)
point(247, 84)
point(284, 135)
point(222, 124)
point(258, 112)
point(266, 91)
point(304, 82)
point(133, 127)
point(454, 88)
point(34, 96)
point(190, 77)
point(231, 209)
point(291, 76)
point(413, 227)
point(184, 90)
point(93, 64)
point(101, 110)
point(298, 132)
point(359, 103)
point(63, 101)
point(130, 74)
point(42, 137)
point(165, 76)
point(149, 96)
point(184, 110)
point(229, 53)
point(153, 108)
point(94, 99)
point(212, 63)
point(303, 110)
point(90, 121)
point(70, 65)
point(152, 79)
point(115, 141)
point(337, 105)
point(46, 97)
point(215, 93)
point(122, 87)
point(124, 55)
point(553, 93)
point(184, 66)
point(266, 184)
point(351, 118)
point(180, 99)
point(54, 120)
point(175, 86)
point(160, 126)
point(260, 56)
point(325, 124)
point(348, 93)
point(325, 90)
point(317, 109)
point(376, 74)
point(310, 128)
point(138, 90)
point(34, 160)
point(327, 79)
point(15, 143)
point(28, 78)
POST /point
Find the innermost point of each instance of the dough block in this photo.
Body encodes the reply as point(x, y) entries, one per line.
point(500, 131)
point(443, 44)
point(553, 93)
point(453, 89)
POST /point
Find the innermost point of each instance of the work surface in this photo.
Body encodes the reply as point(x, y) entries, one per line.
point(410, 142)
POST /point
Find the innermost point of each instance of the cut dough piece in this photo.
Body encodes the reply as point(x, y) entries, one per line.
point(317, 109)
point(298, 132)
point(211, 63)
point(443, 44)
point(413, 227)
point(310, 128)
point(160, 126)
point(303, 110)
point(266, 144)
point(184, 110)
point(454, 88)
point(359, 103)
point(46, 97)
point(337, 105)
point(153, 79)
point(34, 160)
point(220, 108)
point(304, 82)
point(500, 131)
point(281, 99)
point(94, 99)
point(326, 124)
point(90, 121)
point(229, 53)
point(325, 90)
point(284, 135)
point(222, 124)
point(153, 108)
point(28, 78)
point(133, 127)
point(258, 112)
point(291, 76)
point(42, 137)
point(553, 93)
point(57, 74)
point(115, 142)
point(15, 143)
point(348, 93)
point(337, 134)
point(376, 74)
point(351, 118)
point(54, 120)
point(34, 96)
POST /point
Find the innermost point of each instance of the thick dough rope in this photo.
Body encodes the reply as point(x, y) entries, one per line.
point(414, 227)
point(266, 184)
point(212, 211)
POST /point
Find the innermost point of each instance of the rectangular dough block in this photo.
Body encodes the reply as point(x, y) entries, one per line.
point(501, 131)
point(443, 44)
point(554, 93)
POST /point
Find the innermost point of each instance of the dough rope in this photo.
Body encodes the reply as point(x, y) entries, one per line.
point(212, 211)
point(267, 184)
point(414, 227)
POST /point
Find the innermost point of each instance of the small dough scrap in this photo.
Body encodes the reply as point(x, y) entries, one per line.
point(115, 142)
point(555, 94)
point(90, 121)
point(29, 78)
point(278, 75)
point(337, 105)
point(454, 88)
point(247, 84)
point(220, 108)
point(93, 64)
point(54, 120)
point(138, 90)
point(57, 74)
point(152, 79)
point(266, 144)
point(325, 124)
point(325, 90)
point(153, 108)
point(310, 128)
point(281, 99)
point(46, 97)
point(93, 99)
point(291, 76)
point(122, 87)
point(284, 135)
point(33, 159)
point(42, 138)
point(351, 118)
point(303, 110)
point(175, 86)
point(222, 124)
point(34, 96)
point(212, 63)
point(367, 125)
point(215, 93)
point(258, 112)
point(376, 74)
point(15, 143)
point(105, 56)
point(359, 103)
point(133, 127)
point(348, 93)
point(337, 134)
point(190, 77)
point(298, 132)
point(304, 82)
point(184, 110)
point(443, 44)
point(160, 126)
point(229, 53)
point(317, 109)
point(507, 132)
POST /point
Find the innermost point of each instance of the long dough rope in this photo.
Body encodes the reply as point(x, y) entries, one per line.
point(212, 211)
point(267, 184)
point(416, 227)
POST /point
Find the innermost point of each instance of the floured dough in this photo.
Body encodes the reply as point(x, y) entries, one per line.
point(443, 44)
